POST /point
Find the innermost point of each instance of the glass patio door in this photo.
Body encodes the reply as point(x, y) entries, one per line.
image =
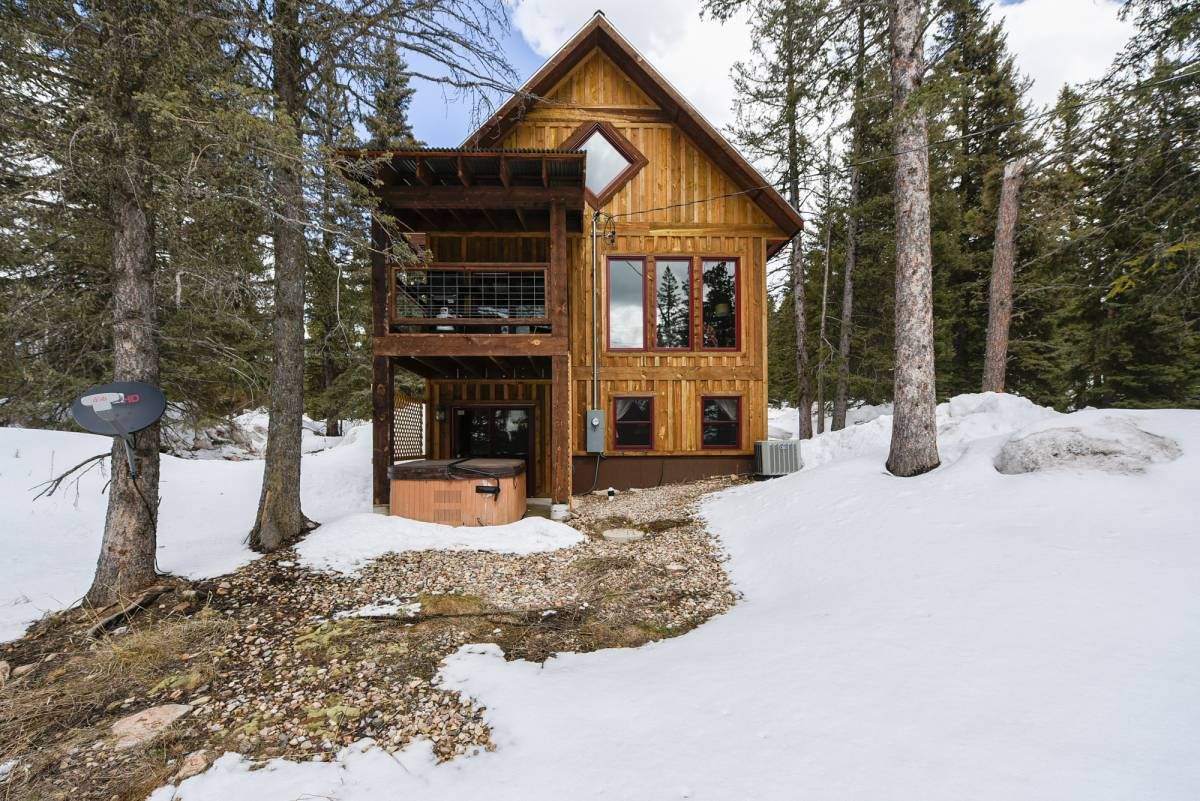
point(496, 432)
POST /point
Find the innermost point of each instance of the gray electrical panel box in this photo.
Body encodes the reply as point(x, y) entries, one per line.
point(593, 424)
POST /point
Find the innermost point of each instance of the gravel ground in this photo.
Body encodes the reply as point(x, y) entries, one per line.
point(290, 674)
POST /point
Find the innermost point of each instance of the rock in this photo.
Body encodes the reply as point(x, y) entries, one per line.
point(141, 727)
point(623, 535)
point(5, 672)
point(1105, 443)
point(193, 764)
point(21, 670)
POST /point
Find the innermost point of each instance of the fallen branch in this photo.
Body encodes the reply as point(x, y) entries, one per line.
point(146, 598)
point(53, 484)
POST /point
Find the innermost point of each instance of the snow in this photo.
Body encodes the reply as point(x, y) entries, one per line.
point(349, 544)
point(241, 437)
point(384, 607)
point(961, 634)
point(783, 422)
point(1096, 441)
point(207, 509)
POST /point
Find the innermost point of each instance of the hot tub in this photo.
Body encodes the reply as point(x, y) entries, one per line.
point(459, 492)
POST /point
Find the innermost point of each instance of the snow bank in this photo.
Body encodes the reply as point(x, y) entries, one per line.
point(348, 544)
point(783, 422)
point(242, 437)
point(963, 420)
point(961, 634)
point(1094, 441)
point(207, 509)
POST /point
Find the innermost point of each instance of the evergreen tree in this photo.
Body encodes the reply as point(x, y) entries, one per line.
point(387, 122)
point(979, 91)
point(103, 131)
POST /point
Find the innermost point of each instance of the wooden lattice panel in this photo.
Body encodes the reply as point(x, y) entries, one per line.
point(408, 428)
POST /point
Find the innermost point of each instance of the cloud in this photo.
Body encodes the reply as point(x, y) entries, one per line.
point(1062, 41)
point(1055, 41)
point(695, 55)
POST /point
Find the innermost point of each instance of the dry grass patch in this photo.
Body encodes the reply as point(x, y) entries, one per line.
point(70, 701)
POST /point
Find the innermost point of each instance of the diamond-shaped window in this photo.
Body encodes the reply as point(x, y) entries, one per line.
point(611, 159)
point(604, 162)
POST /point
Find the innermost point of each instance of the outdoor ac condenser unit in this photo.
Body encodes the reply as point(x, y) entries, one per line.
point(777, 457)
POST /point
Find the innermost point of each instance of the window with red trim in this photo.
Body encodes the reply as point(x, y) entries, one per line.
point(721, 422)
point(626, 304)
point(633, 423)
point(673, 304)
point(719, 304)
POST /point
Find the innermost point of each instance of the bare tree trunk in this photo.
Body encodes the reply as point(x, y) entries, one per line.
point(126, 563)
point(821, 349)
point(840, 397)
point(280, 519)
point(1001, 291)
point(803, 398)
point(845, 327)
point(333, 422)
point(914, 431)
point(796, 263)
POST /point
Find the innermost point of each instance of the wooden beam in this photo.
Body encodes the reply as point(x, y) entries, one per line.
point(380, 279)
point(383, 406)
point(557, 282)
point(464, 175)
point(545, 173)
point(431, 367)
point(480, 365)
point(464, 367)
point(418, 345)
point(423, 173)
point(560, 429)
point(491, 220)
point(521, 219)
point(505, 175)
point(475, 197)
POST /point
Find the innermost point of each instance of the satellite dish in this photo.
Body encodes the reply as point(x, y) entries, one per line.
point(120, 409)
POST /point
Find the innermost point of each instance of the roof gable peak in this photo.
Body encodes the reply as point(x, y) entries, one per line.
point(599, 33)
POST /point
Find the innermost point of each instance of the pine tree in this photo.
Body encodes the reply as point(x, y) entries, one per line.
point(979, 90)
point(387, 123)
point(914, 432)
point(316, 48)
point(106, 127)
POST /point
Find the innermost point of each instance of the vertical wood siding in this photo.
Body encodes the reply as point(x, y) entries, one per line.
point(665, 221)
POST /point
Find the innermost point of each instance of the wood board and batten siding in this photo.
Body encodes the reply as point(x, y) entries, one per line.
point(516, 199)
point(676, 174)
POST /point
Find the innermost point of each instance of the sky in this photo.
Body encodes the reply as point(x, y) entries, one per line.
point(1055, 41)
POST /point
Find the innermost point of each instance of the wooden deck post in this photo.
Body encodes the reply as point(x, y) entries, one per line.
point(561, 413)
point(560, 429)
point(383, 402)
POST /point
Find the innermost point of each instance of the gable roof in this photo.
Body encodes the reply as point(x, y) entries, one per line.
point(599, 33)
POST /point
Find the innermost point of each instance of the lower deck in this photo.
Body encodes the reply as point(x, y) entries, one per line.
point(693, 429)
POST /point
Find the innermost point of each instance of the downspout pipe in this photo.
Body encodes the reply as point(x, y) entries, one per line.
point(595, 316)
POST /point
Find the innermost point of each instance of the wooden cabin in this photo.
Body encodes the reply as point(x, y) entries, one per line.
point(649, 368)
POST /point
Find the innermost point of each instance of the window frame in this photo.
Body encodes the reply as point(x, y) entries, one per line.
point(737, 423)
point(622, 145)
point(613, 412)
point(737, 303)
point(608, 330)
point(652, 308)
